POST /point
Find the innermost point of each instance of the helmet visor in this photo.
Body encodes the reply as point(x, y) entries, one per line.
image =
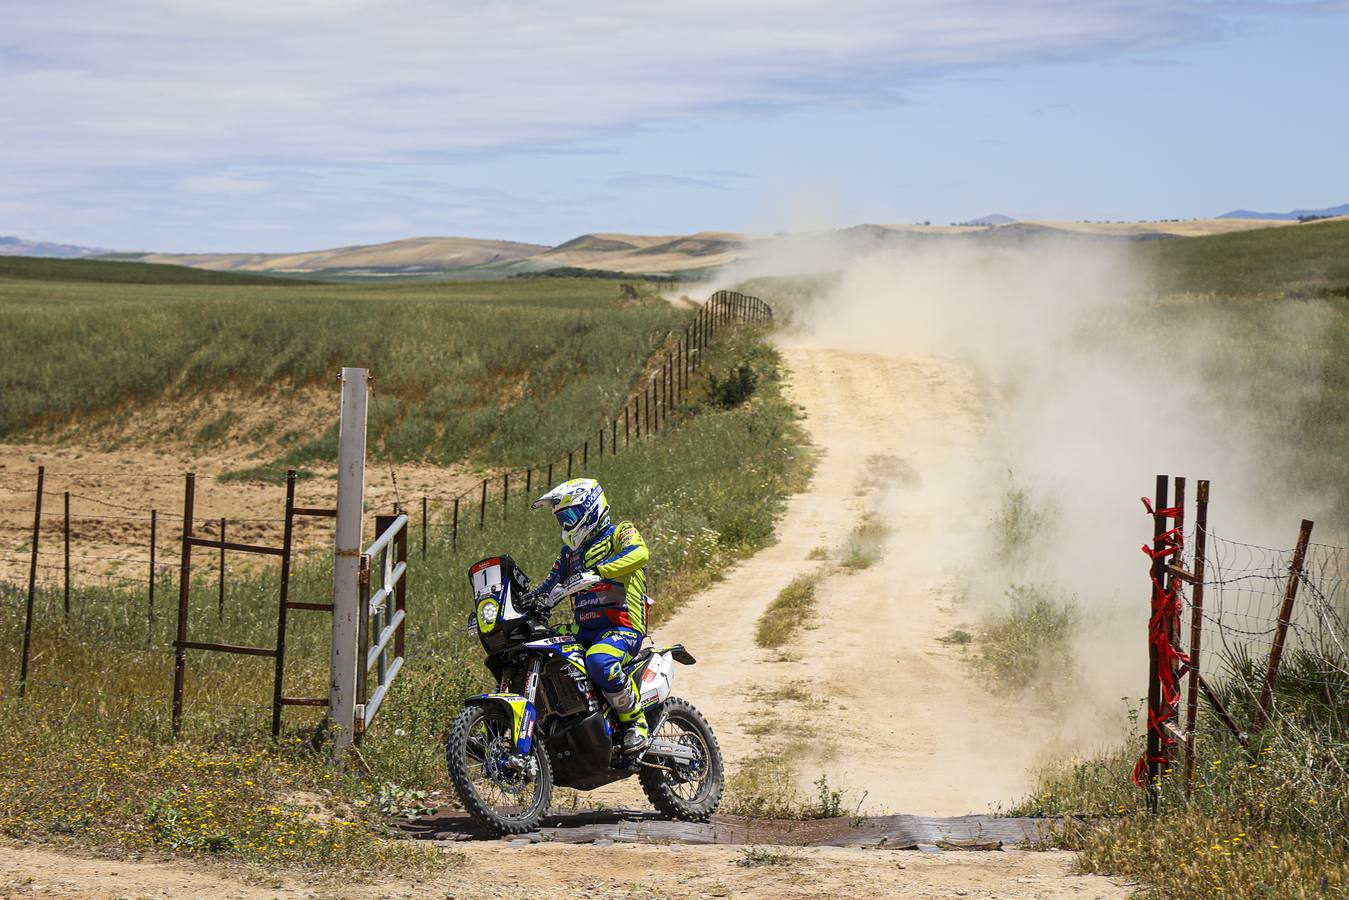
point(570, 516)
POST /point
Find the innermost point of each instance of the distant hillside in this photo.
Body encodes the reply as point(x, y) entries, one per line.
point(646, 253)
point(688, 256)
point(1326, 213)
point(15, 246)
point(110, 272)
point(408, 256)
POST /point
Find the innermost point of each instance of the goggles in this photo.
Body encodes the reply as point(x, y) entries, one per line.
point(570, 516)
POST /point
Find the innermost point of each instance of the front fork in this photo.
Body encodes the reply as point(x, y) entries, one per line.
point(524, 739)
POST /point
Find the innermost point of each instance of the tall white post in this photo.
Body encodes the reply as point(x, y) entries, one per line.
point(347, 562)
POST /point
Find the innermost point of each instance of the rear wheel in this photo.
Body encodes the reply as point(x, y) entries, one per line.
point(687, 791)
point(504, 790)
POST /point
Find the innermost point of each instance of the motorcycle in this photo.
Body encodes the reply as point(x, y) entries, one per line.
point(547, 725)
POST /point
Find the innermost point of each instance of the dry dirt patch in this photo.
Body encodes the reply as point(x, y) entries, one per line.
point(556, 871)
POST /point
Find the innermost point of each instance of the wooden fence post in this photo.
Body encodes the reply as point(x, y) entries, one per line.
point(454, 533)
point(154, 532)
point(283, 607)
point(570, 455)
point(66, 531)
point(32, 584)
point(482, 505)
point(613, 438)
point(1196, 629)
point(505, 494)
point(184, 593)
point(585, 453)
point(424, 526)
point(221, 614)
point(1281, 633)
point(529, 484)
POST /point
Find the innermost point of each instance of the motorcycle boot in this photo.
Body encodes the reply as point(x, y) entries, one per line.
point(629, 708)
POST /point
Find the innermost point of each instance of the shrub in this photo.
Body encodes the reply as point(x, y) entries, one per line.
point(735, 389)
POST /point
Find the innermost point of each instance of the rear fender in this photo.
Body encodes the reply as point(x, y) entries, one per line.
point(521, 712)
point(679, 654)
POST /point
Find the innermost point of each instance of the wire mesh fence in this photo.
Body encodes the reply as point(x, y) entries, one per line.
point(1242, 636)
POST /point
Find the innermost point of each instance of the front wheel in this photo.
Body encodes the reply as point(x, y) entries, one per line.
point(505, 791)
point(690, 791)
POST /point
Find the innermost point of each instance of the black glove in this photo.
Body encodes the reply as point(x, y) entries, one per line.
point(533, 601)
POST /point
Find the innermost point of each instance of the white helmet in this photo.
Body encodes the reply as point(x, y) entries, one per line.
point(580, 507)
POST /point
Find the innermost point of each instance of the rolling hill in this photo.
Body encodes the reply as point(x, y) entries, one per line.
point(687, 255)
point(407, 256)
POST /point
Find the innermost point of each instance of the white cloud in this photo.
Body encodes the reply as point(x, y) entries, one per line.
point(185, 82)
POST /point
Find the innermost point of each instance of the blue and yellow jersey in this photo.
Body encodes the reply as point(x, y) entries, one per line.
point(617, 554)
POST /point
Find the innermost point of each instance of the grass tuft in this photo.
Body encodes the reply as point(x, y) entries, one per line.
point(791, 608)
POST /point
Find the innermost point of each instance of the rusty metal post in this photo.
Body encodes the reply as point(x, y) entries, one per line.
point(283, 606)
point(66, 531)
point(1196, 629)
point(221, 615)
point(570, 455)
point(1157, 574)
point(154, 534)
point(505, 494)
point(653, 425)
point(1281, 633)
point(32, 585)
point(400, 592)
point(613, 438)
point(424, 517)
point(550, 476)
point(529, 484)
point(363, 635)
point(585, 453)
point(482, 505)
point(454, 534)
point(601, 443)
point(184, 593)
point(1172, 673)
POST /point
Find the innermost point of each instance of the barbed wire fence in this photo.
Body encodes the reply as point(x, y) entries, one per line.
point(1268, 637)
point(70, 556)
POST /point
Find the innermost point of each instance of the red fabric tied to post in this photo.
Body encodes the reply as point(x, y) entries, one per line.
point(1166, 608)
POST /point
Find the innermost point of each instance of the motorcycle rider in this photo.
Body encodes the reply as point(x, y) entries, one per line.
point(610, 615)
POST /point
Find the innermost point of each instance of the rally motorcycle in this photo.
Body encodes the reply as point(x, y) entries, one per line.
point(548, 725)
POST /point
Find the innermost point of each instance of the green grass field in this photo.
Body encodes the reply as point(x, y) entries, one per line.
point(93, 736)
point(492, 372)
point(99, 271)
point(1310, 260)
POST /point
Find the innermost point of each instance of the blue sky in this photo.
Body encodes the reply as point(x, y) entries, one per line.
point(237, 125)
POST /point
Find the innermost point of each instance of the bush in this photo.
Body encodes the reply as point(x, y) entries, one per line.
point(735, 389)
point(1016, 644)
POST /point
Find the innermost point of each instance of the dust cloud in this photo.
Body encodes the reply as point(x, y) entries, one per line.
point(1084, 394)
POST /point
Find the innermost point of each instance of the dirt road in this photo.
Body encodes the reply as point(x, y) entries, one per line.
point(894, 717)
point(544, 871)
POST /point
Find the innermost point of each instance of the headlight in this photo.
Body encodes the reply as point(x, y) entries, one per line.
point(487, 613)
